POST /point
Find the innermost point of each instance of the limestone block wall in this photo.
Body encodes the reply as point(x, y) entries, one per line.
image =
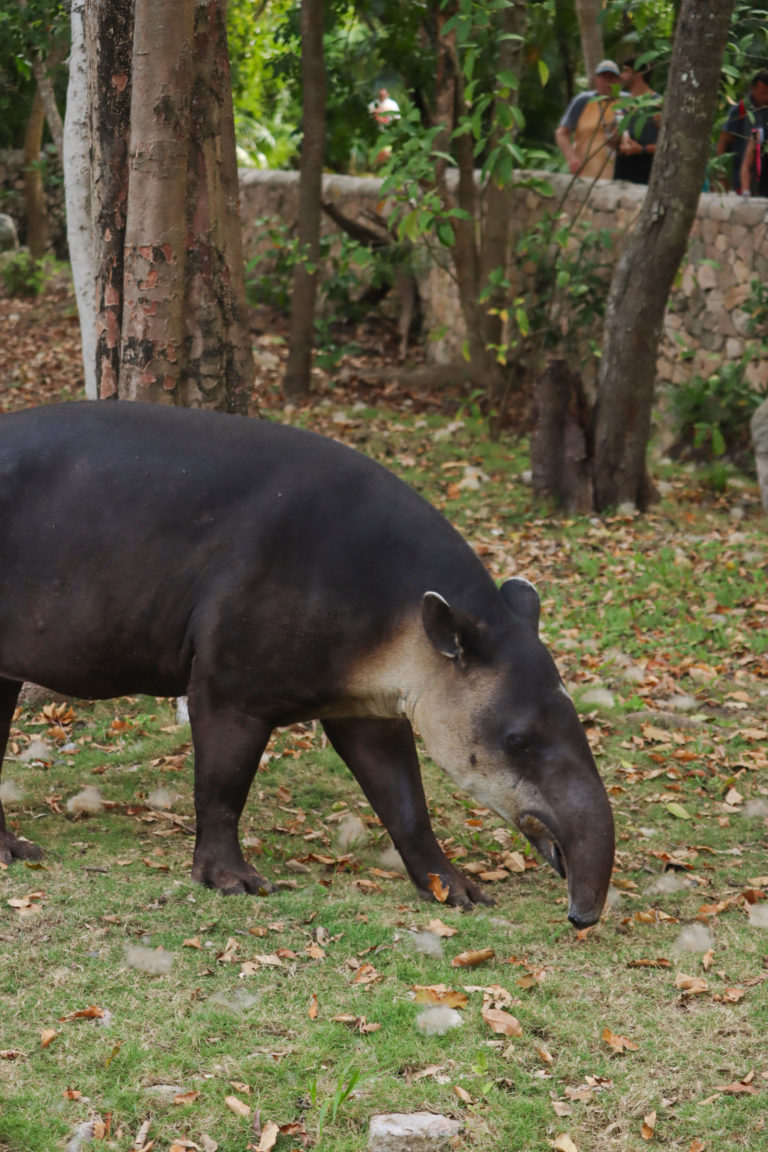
point(705, 324)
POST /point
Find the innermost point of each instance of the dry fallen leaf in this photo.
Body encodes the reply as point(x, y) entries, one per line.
point(563, 1143)
point(237, 1106)
point(462, 1094)
point(437, 928)
point(473, 958)
point(744, 1086)
point(269, 1135)
point(313, 1010)
point(618, 1043)
point(439, 994)
point(92, 1013)
point(185, 1097)
point(649, 1126)
point(47, 1036)
point(359, 1023)
point(439, 890)
point(690, 985)
point(502, 1022)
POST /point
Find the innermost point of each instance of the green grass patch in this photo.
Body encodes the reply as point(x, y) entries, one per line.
point(137, 1005)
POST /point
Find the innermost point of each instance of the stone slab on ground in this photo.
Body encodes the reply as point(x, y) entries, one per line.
point(411, 1132)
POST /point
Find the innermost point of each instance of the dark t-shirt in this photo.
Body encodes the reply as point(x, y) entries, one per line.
point(739, 126)
point(642, 127)
point(754, 123)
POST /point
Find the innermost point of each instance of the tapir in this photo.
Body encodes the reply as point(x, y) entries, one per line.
point(274, 575)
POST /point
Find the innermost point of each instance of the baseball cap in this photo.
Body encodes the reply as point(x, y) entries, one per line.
point(607, 66)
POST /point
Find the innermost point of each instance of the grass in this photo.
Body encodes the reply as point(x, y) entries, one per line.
point(300, 1010)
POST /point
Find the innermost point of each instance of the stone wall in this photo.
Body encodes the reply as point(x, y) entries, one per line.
point(12, 196)
point(705, 323)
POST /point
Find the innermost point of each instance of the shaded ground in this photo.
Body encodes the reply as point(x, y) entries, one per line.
point(40, 359)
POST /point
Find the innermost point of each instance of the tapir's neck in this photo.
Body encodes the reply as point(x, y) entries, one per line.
point(389, 681)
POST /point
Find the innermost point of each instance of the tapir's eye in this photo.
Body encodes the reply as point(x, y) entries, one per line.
point(518, 741)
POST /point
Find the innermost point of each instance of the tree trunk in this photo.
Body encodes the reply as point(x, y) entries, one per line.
point(298, 369)
point(560, 441)
point(34, 193)
point(83, 256)
point(591, 32)
point(42, 72)
point(108, 47)
point(481, 244)
point(152, 204)
point(646, 268)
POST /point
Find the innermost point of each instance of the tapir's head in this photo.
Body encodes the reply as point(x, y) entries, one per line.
point(496, 717)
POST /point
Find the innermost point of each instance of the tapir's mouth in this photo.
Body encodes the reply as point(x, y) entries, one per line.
point(544, 841)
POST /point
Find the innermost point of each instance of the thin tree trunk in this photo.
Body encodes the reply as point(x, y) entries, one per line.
point(78, 165)
point(482, 236)
point(109, 43)
point(646, 268)
point(591, 32)
point(34, 193)
point(296, 381)
point(494, 245)
point(41, 70)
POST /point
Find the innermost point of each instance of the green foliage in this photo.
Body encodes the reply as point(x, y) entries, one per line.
point(713, 412)
point(350, 275)
point(329, 1109)
point(22, 275)
point(573, 264)
point(25, 31)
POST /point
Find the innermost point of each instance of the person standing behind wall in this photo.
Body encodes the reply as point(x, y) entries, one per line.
point(742, 118)
point(585, 132)
point(639, 126)
point(754, 165)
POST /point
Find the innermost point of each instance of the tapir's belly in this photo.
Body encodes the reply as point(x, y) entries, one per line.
point(104, 635)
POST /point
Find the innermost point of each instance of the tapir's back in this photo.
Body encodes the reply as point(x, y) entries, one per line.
point(138, 528)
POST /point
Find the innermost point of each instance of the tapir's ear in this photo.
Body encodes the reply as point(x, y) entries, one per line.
point(522, 598)
point(441, 625)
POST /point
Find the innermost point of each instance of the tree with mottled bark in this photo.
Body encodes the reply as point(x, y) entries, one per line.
point(152, 204)
point(296, 381)
point(647, 266)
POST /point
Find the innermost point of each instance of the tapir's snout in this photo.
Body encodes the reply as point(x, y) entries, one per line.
point(580, 847)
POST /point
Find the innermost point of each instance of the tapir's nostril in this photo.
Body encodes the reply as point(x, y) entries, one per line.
point(580, 922)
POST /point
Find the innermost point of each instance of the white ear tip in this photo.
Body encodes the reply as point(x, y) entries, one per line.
point(436, 596)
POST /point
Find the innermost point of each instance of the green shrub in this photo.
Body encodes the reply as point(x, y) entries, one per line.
point(22, 274)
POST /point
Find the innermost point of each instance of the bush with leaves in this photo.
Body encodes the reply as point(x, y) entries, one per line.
point(712, 412)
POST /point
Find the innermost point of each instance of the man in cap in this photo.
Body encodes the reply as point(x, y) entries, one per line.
point(587, 128)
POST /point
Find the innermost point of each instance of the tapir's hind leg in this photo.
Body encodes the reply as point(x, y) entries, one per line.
point(382, 756)
point(228, 747)
point(11, 847)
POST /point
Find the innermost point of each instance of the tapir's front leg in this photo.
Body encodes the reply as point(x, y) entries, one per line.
point(382, 756)
point(11, 847)
point(228, 746)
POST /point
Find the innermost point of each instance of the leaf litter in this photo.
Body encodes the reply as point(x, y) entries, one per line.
point(687, 780)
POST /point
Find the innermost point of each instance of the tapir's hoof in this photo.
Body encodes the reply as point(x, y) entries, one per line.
point(462, 893)
point(17, 848)
point(232, 882)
